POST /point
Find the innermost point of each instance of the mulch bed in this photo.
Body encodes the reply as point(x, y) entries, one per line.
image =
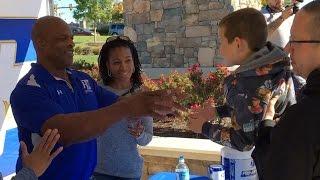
point(174, 127)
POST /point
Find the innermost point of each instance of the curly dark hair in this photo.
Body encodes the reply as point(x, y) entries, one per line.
point(104, 55)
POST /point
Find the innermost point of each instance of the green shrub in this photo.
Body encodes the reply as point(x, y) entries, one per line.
point(96, 50)
point(78, 50)
point(82, 65)
point(86, 50)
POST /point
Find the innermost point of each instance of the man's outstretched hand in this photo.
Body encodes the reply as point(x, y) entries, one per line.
point(158, 103)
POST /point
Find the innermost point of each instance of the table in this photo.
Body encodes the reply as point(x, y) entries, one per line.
point(172, 176)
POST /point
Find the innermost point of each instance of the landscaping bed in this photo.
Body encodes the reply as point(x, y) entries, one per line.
point(199, 87)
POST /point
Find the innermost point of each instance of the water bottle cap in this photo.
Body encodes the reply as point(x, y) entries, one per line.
point(181, 158)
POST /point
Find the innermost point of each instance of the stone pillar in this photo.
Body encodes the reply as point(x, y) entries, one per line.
point(177, 33)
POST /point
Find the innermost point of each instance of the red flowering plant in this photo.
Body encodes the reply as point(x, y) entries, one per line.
point(176, 80)
point(149, 84)
point(199, 87)
point(194, 82)
point(209, 86)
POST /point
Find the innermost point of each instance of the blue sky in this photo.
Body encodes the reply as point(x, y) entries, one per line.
point(65, 14)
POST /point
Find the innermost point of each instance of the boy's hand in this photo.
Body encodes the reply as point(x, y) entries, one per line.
point(201, 115)
point(40, 158)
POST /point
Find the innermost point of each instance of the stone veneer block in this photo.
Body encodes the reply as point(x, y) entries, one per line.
point(139, 29)
point(156, 15)
point(189, 42)
point(203, 7)
point(205, 56)
point(148, 29)
point(141, 18)
point(191, 19)
point(177, 60)
point(131, 33)
point(156, 5)
point(128, 5)
point(215, 5)
point(145, 60)
point(169, 49)
point(141, 6)
point(160, 62)
point(171, 13)
point(191, 6)
point(214, 15)
point(153, 42)
point(168, 4)
point(197, 31)
point(188, 52)
point(203, 1)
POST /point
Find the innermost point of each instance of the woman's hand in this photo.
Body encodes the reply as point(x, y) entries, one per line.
point(270, 111)
point(136, 128)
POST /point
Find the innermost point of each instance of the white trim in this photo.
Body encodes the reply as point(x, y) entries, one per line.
point(15, 53)
point(9, 177)
point(24, 8)
point(18, 18)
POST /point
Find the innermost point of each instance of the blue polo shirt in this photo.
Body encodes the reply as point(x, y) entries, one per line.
point(38, 96)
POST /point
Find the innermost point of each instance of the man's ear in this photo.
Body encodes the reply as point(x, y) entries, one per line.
point(41, 43)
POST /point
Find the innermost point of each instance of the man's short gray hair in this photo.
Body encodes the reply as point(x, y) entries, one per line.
point(313, 10)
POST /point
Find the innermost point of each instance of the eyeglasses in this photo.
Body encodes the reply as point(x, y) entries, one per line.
point(308, 42)
point(125, 38)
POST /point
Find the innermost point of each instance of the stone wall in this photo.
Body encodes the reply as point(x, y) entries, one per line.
point(177, 33)
point(238, 4)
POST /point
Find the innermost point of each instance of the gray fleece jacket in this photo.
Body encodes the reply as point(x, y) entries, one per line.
point(24, 174)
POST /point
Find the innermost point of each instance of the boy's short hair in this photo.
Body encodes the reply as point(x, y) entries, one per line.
point(248, 24)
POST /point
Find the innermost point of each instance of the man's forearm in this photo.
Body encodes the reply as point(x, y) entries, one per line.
point(274, 25)
point(84, 126)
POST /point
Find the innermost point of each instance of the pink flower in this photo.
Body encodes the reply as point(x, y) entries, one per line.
point(194, 68)
point(210, 101)
point(212, 77)
point(195, 106)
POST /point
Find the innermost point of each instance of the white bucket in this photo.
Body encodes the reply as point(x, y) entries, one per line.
point(238, 165)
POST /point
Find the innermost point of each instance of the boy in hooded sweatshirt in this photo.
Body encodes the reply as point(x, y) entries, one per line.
point(264, 71)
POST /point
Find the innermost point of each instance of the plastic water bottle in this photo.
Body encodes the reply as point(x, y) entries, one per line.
point(182, 170)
